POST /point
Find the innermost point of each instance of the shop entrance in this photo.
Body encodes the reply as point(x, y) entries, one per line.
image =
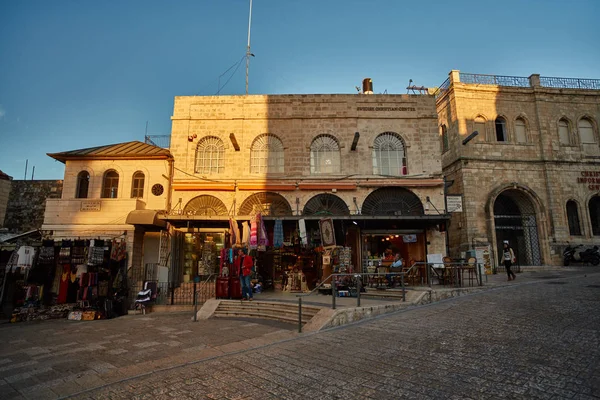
point(380, 246)
point(515, 220)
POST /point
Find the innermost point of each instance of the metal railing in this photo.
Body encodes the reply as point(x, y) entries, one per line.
point(170, 293)
point(569, 83)
point(442, 89)
point(354, 283)
point(498, 80)
point(163, 141)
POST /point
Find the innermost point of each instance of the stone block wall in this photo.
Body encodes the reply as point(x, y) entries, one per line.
point(5, 184)
point(27, 203)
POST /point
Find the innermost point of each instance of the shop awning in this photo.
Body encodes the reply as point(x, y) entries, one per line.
point(145, 217)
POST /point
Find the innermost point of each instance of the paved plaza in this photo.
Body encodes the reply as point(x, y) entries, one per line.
point(537, 337)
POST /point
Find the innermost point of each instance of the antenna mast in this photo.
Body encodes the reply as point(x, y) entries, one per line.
point(248, 48)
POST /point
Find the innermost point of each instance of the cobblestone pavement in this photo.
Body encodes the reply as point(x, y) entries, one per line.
point(537, 338)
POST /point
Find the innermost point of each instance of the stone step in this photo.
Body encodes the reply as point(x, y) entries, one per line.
point(271, 311)
point(262, 315)
point(280, 307)
point(267, 304)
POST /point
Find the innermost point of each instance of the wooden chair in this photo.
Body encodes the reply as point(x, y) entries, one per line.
point(449, 273)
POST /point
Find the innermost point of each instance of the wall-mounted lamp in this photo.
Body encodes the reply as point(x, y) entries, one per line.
point(192, 137)
point(355, 141)
point(470, 137)
point(234, 142)
point(514, 185)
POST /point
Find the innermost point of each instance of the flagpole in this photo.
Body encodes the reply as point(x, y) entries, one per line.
point(248, 48)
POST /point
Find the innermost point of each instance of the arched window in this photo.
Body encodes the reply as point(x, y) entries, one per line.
point(83, 184)
point(586, 131)
point(325, 155)
point(266, 155)
point(501, 135)
point(564, 134)
point(210, 156)
point(573, 218)
point(479, 126)
point(110, 184)
point(444, 133)
point(595, 214)
point(137, 185)
point(520, 130)
point(388, 155)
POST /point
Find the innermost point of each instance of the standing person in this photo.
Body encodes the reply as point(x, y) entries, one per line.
point(509, 259)
point(244, 264)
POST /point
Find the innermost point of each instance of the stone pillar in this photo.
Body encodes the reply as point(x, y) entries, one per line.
point(454, 76)
point(534, 80)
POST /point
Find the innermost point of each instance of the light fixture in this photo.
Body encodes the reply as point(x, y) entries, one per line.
point(355, 223)
point(355, 141)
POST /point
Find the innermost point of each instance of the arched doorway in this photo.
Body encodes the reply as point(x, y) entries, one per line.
point(267, 203)
point(392, 202)
point(516, 222)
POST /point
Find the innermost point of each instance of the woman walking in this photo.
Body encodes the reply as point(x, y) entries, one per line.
point(509, 259)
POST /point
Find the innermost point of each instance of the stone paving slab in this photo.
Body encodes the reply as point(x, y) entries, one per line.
point(446, 349)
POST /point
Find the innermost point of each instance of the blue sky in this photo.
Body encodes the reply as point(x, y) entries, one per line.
point(76, 74)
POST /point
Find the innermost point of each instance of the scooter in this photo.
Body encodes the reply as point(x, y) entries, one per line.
point(588, 256)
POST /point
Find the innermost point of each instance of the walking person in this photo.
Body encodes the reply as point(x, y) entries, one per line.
point(509, 258)
point(244, 264)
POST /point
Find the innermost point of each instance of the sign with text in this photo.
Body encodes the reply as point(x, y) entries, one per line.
point(590, 178)
point(454, 203)
point(91, 205)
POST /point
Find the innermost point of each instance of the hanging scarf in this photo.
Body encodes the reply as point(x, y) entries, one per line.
point(253, 232)
point(246, 236)
point(278, 234)
point(263, 239)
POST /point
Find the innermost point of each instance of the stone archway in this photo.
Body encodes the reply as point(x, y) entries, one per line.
point(515, 220)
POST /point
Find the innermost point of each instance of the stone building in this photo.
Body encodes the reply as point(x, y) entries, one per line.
point(27, 203)
point(370, 162)
point(113, 191)
point(4, 193)
point(532, 174)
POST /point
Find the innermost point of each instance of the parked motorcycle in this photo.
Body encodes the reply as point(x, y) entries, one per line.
point(588, 256)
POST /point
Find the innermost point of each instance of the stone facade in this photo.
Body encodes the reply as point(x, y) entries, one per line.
point(27, 203)
point(527, 166)
point(4, 193)
point(296, 121)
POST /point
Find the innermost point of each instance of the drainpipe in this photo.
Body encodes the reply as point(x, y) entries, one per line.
point(170, 188)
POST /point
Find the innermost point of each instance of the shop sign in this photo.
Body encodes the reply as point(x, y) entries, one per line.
point(590, 178)
point(385, 109)
point(454, 203)
point(91, 205)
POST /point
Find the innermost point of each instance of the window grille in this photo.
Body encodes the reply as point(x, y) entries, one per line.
point(388, 155)
point(325, 155)
point(210, 156)
point(266, 155)
point(110, 185)
point(137, 185)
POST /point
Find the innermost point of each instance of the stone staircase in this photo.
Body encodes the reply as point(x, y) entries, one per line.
point(273, 310)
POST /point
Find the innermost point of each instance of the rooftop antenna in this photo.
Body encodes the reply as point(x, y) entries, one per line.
point(248, 54)
point(416, 89)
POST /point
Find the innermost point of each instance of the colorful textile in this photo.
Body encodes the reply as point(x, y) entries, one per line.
point(278, 234)
point(246, 234)
point(302, 228)
point(263, 239)
point(254, 233)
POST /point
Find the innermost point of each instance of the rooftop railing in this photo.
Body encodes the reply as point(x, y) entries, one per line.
point(498, 80)
point(163, 141)
point(442, 89)
point(570, 83)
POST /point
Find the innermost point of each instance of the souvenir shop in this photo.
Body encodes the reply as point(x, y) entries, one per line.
point(78, 279)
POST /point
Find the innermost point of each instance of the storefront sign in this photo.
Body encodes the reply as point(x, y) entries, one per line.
point(590, 178)
point(91, 205)
point(454, 203)
point(385, 109)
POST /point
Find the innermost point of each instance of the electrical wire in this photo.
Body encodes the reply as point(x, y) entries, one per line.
point(236, 68)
